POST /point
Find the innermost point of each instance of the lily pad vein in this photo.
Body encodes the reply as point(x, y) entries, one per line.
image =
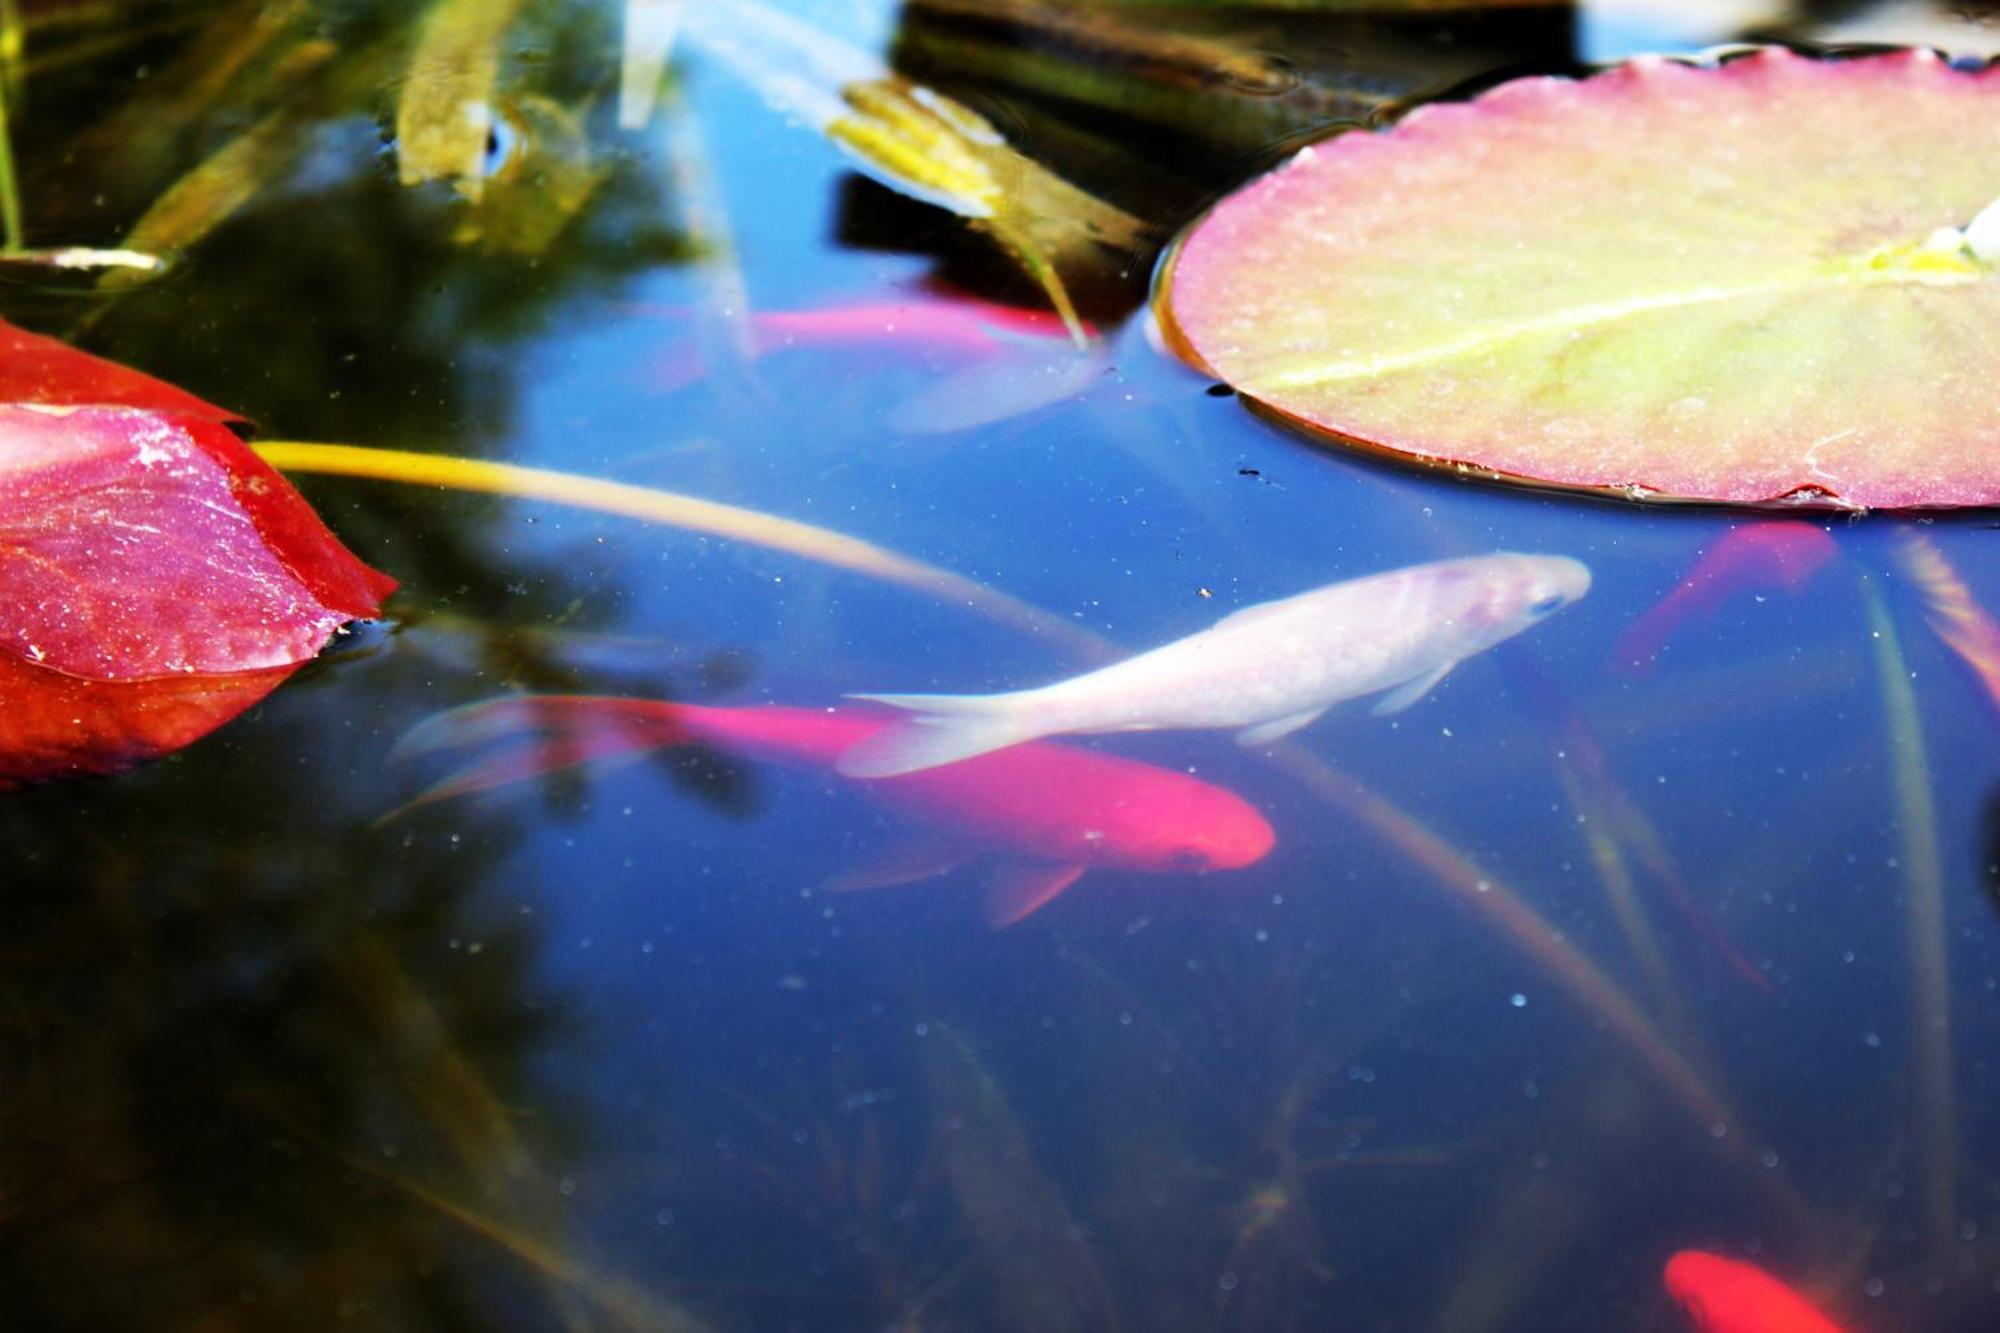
point(1579, 318)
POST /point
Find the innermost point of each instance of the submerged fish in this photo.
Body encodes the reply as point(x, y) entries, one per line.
point(1267, 670)
point(1729, 1296)
point(957, 326)
point(1049, 811)
point(1773, 554)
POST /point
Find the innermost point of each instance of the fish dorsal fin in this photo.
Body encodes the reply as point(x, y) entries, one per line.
point(1411, 690)
point(1266, 732)
point(1023, 888)
point(907, 860)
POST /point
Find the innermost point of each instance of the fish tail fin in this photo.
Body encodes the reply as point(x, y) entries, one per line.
point(514, 715)
point(941, 729)
point(520, 762)
point(531, 736)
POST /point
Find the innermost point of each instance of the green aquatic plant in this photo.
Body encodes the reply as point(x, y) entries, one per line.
point(11, 237)
point(1038, 1265)
point(922, 143)
point(1929, 961)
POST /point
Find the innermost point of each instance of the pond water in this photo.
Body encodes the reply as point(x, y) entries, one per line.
point(1568, 967)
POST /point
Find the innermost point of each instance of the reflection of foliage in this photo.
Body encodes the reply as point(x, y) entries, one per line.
point(1107, 97)
point(227, 973)
point(283, 191)
point(272, 1060)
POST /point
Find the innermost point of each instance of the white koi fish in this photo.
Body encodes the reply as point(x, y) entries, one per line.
point(1267, 670)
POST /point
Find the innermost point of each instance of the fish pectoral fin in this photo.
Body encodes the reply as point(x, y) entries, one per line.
point(903, 861)
point(1023, 888)
point(1396, 700)
point(1266, 732)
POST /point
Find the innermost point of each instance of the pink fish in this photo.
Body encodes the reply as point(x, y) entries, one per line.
point(1050, 812)
point(1772, 554)
point(1730, 1296)
point(964, 326)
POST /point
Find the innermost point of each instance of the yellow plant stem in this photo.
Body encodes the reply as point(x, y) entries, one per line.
point(675, 510)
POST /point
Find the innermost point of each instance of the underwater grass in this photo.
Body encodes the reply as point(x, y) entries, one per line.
point(629, 1306)
point(1500, 907)
point(1512, 917)
point(1923, 879)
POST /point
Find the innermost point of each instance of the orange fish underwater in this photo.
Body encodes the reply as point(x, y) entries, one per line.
point(1050, 812)
point(1730, 1296)
point(1775, 553)
point(964, 326)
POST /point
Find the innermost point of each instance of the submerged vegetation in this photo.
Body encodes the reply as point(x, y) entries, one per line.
point(1472, 1030)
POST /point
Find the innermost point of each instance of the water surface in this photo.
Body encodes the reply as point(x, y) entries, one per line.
point(1562, 970)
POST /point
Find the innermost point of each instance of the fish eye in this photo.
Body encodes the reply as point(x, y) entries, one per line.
point(1545, 604)
point(1188, 858)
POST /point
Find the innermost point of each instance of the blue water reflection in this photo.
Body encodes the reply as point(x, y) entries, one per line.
point(1562, 970)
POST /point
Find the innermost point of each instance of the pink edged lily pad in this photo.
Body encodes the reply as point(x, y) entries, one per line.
point(1747, 282)
point(156, 576)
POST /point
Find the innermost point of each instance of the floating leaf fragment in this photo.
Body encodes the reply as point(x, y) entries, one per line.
point(156, 576)
point(55, 726)
point(1668, 281)
point(445, 117)
point(919, 142)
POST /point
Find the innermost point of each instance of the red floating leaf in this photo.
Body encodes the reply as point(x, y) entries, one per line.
point(35, 369)
point(1740, 283)
point(55, 726)
point(156, 576)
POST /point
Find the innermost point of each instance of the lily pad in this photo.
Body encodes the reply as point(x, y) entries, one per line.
point(1738, 282)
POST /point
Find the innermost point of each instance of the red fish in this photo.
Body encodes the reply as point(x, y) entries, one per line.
point(965, 324)
point(1729, 1296)
point(1777, 554)
point(962, 325)
point(1050, 811)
